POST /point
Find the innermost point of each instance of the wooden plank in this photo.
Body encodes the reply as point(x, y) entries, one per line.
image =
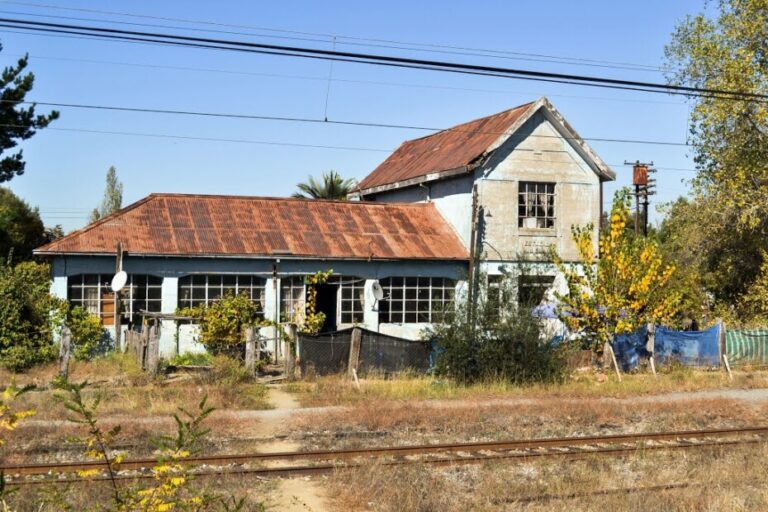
point(354, 350)
point(153, 351)
point(65, 348)
point(250, 350)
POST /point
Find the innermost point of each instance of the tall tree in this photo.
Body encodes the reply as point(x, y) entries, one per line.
point(331, 186)
point(113, 197)
point(729, 140)
point(21, 229)
point(17, 123)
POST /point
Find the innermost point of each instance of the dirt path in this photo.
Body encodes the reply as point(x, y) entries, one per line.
point(291, 494)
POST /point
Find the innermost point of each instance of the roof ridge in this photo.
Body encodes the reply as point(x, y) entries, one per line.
point(276, 198)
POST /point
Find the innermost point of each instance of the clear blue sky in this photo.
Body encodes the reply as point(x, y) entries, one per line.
point(65, 169)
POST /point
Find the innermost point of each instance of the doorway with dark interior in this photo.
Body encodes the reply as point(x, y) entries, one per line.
point(327, 302)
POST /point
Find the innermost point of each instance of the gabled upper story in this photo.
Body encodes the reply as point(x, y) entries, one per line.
point(524, 175)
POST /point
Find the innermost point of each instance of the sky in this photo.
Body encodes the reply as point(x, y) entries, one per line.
point(67, 163)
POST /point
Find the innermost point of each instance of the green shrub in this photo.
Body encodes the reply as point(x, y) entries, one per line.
point(192, 359)
point(26, 321)
point(222, 323)
point(228, 371)
point(88, 336)
point(497, 340)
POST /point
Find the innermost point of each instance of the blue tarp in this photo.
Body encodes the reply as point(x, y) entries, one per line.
point(693, 348)
point(629, 347)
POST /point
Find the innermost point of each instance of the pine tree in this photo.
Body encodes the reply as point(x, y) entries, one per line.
point(113, 197)
point(17, 123)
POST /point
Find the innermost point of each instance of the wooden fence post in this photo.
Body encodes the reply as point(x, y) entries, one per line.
point(354, 350)
point(64, 350)
point(650, 346)
point(250, 350)
point(609, 348)
point(723, 351)
point(289, 349)
point(153, 351)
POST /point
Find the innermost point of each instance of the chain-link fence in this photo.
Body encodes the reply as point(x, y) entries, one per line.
point(328, 353)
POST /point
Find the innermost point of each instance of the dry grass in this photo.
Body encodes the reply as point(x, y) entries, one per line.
point(339, 389)
point(722, 480)
point(387, 423)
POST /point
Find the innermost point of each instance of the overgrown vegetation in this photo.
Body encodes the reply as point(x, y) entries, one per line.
point(624, 286)
point(720, 233)
point(493, 338)
point(88, 336)
point(26, 305)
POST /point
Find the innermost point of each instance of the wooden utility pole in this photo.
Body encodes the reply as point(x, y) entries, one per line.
point(644, 188)
point(118, 268)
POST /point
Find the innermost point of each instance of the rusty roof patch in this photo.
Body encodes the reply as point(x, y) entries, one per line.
point(235, 226)
point(450, 149)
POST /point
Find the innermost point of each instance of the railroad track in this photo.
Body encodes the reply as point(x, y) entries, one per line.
point(325, 461)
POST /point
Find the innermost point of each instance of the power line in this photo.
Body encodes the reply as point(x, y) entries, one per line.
point(323, 79)
point(373, 59)
point(328, 37)
point(310, 120)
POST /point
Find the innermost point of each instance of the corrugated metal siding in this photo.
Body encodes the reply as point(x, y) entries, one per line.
point(443, 151)
point(175, 224)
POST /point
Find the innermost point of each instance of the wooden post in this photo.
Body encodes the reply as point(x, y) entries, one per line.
point(250, 350)
point(153, 351)
point(354, 350)
point(723, 350)
point(610, 351)
point(290, 352)
point(65, 347)
point(650, 345)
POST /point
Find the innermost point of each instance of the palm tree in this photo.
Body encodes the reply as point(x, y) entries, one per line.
point(333, 186)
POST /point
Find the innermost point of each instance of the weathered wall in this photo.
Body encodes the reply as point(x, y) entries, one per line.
point(536, 153)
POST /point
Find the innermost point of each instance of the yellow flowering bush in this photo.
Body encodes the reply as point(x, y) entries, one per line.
point(620, 288)
point(312, 320)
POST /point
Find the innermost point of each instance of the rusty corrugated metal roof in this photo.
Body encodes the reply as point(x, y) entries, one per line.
point(203, 225)
point(446, 150)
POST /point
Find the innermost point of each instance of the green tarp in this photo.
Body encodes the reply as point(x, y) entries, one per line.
point(745, 346)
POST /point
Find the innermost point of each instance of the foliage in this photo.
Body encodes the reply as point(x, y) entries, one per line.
point(113, 197)
point(87, 331)
point(627, 287)
point(17, 123)
point(500, 340)
point(228, 371)
point(192, 359)
point(223, 321)
point(26, 325)
point(333, 186)
point(9, 420)
point(728, 216)
point(170, 489)
point(312, 320)
point(21, 228)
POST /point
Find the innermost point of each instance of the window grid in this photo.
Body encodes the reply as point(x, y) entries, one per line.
point(141, 292)
point(292, 298)
point(495, 295)
point(204, 289)
point(536, 205)
point(351, 299)
point(416, 299)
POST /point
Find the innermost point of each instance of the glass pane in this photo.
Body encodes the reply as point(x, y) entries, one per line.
point(410, 318)
point(91, 279)
point(411, 281)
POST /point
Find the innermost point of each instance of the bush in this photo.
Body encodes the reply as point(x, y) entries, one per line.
point(26, 324)
point(497, 341)
point(192, 359)
point(222, 323)
point(88, 338)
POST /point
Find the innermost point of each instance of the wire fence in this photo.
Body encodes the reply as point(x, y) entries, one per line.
point(328, 353)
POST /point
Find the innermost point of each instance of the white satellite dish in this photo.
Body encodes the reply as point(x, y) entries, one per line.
point(118, 282)
point(377, 290)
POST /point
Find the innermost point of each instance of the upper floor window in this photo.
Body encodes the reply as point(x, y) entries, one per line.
point(94, 294)
point(203, 289)
point(536, 205)
point(416, 299)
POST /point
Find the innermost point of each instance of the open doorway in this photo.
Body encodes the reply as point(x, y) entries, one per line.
point(327, 302)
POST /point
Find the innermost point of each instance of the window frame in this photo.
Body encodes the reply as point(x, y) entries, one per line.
point(298, 296)
point(355, 301)
point(215, 286)
point(128, 295)
point(415, 298)
point(549, 217)
point(536, 282)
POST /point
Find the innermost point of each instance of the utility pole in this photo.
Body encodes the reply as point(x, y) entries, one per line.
point(644, 188)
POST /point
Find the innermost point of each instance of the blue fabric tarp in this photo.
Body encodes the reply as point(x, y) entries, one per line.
point(629, 347)
point(692, 348)
point(695, 348)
